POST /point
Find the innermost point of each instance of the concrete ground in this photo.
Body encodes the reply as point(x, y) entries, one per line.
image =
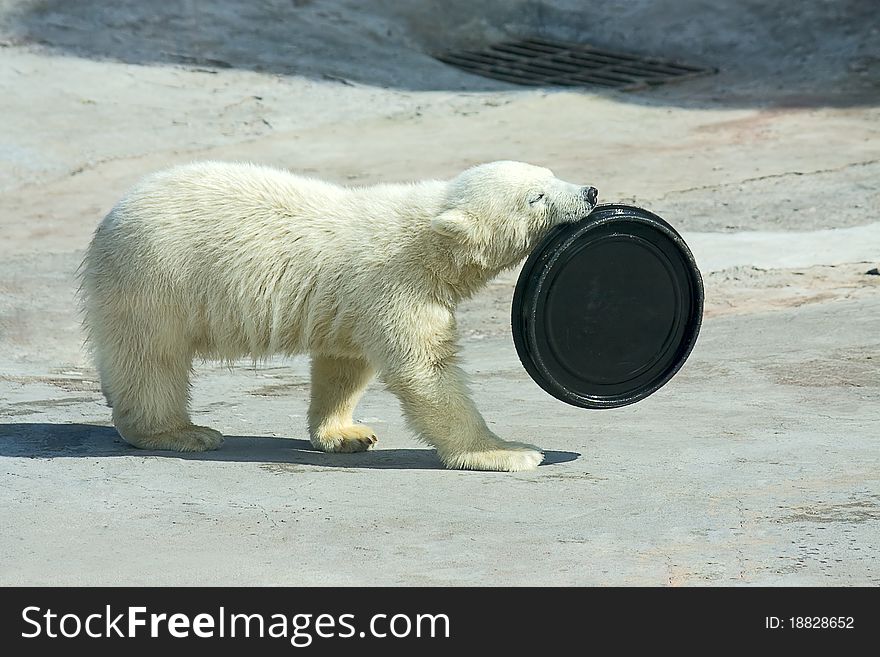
point(759, 463)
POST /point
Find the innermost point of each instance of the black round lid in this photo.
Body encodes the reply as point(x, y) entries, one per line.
point(606, 310)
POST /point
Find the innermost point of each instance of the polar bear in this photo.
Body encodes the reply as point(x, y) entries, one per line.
point(221, 261)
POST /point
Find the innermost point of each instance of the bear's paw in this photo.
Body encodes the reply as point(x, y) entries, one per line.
point(501, 457)
point(191, 438)
point(345, 439)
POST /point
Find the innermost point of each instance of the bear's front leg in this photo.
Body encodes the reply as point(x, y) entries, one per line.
point(438, 406)
point(337, 385)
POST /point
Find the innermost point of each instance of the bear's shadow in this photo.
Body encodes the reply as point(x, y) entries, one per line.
point(48, 441)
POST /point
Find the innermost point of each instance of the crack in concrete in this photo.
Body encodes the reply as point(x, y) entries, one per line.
point(266, 514)
point(770, 176)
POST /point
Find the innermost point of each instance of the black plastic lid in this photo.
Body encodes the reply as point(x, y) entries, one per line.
point(606, 310)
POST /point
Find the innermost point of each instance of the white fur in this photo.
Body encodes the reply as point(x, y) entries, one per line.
point(222, 261)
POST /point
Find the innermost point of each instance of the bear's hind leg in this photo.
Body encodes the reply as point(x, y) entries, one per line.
point(337, 385)
point(436, 402)
point(146, 381)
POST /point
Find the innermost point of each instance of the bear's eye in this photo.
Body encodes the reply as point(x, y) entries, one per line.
point(536, 198)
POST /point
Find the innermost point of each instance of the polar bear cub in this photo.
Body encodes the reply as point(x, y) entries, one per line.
point(222, 261)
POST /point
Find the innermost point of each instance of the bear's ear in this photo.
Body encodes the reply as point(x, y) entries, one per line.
point(453, 223)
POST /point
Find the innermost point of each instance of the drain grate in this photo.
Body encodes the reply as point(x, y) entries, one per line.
point(539, 62)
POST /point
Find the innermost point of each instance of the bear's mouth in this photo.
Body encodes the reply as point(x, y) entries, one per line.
point(574, 217)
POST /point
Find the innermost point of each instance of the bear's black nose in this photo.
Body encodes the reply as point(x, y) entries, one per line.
point(591, 194)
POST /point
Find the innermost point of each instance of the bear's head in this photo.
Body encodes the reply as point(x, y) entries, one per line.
point(498, 211)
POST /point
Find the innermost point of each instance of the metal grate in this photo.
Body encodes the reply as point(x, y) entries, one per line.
point(539, 62)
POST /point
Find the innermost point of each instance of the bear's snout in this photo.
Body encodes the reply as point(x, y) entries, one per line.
point(591, 194)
